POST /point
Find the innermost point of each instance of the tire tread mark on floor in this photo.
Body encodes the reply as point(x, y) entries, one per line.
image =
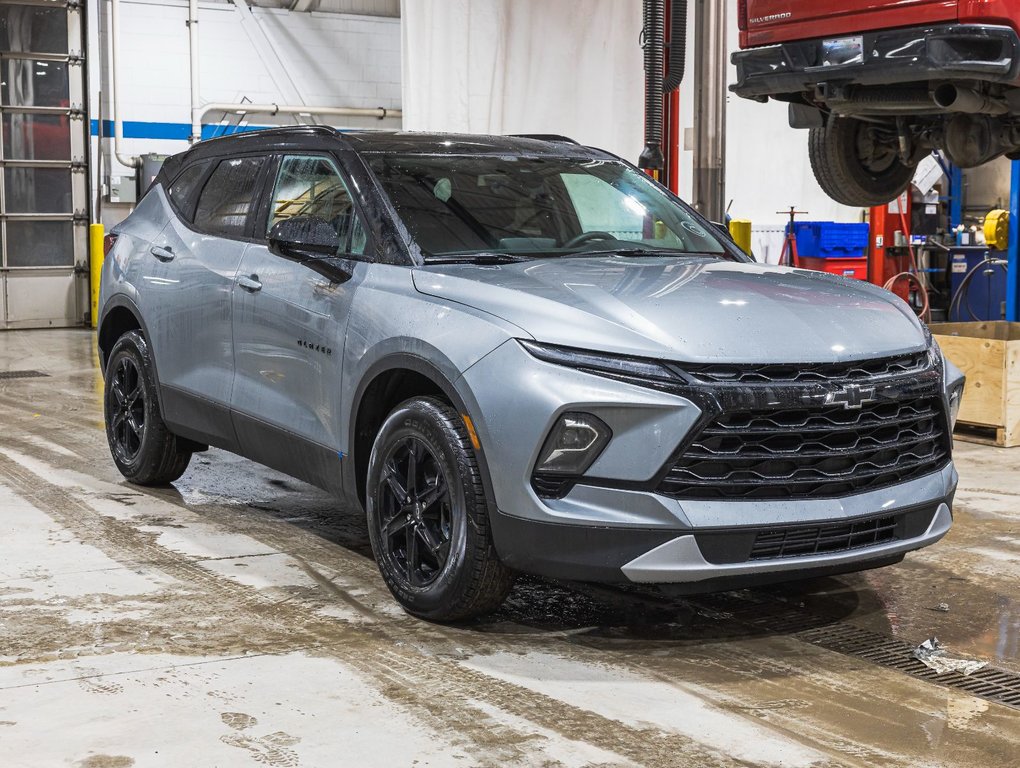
point(404, 669)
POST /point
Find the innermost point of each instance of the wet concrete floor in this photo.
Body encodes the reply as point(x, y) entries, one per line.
point(237, 619)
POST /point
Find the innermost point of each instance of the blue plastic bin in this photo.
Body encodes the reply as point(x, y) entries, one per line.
point(831, 240)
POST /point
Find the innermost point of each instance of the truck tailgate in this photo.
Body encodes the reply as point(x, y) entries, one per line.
point(777, 21)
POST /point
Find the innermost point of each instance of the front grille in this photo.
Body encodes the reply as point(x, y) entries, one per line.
point(820, 539)
point(811, 452)
point(721, 373)
point(739, 544)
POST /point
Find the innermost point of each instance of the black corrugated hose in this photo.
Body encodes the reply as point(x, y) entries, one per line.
point(655, 61)
point(677, 45)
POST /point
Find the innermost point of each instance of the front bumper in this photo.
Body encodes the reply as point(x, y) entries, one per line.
point(712, 548)
point(944, 52)
point(624, 530)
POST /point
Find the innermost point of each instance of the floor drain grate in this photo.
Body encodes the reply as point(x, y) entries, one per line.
point(988, 683)
point(22, 375)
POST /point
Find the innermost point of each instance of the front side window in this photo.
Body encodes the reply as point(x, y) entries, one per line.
point(537, 206)
point(311, 186)
point(226, 200)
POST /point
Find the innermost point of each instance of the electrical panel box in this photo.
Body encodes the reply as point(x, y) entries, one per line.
point(123, 189)
point(985, 298)
point(151, 164)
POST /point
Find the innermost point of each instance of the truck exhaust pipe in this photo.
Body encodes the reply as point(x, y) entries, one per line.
point(952, 99)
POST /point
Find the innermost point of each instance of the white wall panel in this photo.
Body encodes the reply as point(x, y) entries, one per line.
point(334, 59)
point(525, 66)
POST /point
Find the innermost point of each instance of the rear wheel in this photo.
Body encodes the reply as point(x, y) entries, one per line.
point(428, 518)
point(143, 449)
point(856, 164)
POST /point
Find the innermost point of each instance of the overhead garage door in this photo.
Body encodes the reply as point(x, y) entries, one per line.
point(43, 184)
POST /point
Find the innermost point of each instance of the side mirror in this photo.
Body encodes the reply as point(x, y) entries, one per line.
point(313, 243)
point(304, 237)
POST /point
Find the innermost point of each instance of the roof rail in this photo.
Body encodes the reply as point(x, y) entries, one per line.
point(545, 137)
point(324, 130)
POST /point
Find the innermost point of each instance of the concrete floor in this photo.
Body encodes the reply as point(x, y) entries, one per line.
point(237, 619)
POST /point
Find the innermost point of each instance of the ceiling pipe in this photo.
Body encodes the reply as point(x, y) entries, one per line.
point(196, 109)
point(118, 125)
point(279, 109)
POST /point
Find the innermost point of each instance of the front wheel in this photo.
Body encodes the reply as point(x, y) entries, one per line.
point(857, 163)
point(143, 449)
point(427, 515)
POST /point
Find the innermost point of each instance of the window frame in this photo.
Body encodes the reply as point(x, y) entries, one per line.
point(260, 235)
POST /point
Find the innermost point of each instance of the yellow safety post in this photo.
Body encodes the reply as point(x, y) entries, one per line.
point(740, 229)
point(96, 255)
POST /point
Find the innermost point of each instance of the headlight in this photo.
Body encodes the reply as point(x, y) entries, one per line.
point(574, 443)
point(636, 370)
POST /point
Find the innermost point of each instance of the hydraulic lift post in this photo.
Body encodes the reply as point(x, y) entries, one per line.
point(1013, 248)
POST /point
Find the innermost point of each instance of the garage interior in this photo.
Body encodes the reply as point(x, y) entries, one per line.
point(237, 616)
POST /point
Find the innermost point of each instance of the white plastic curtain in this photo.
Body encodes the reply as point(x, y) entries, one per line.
point(571, 67)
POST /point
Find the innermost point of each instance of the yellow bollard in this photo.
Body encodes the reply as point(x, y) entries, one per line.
point(96, 257)
point(740, 229)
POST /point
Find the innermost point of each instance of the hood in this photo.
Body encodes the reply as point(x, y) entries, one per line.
point(685, 309)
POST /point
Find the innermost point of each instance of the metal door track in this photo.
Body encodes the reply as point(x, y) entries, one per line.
point(989, 683)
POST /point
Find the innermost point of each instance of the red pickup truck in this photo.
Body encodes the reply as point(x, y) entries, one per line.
point(881, 83)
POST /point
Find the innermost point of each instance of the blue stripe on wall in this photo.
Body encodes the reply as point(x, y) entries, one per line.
point(174, 131)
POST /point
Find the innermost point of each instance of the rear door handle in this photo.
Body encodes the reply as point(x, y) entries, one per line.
point(161, 253)
point(250, 284)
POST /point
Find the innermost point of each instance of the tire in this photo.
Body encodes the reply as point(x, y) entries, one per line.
point(431, 535)
point(143, 449)
point(851, 168)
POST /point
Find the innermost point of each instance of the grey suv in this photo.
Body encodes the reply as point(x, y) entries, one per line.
point(518, 354)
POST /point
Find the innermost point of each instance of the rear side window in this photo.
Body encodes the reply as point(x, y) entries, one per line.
point(226, 199)
point(184, 191)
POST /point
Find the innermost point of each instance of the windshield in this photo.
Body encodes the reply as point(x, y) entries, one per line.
point(457, 205)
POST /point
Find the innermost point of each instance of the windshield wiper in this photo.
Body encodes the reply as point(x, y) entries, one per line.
point(477, 258)
point(645, 252)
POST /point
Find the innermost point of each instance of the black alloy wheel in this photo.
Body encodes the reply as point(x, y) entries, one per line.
point(428, 517)
point(127, 417)
point(145, 451)
point(415, 508)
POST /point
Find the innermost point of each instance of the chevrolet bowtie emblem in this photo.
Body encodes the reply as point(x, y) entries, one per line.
point(851, 396)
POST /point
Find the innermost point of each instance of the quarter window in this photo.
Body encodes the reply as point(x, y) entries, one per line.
point(226, 200)
point(311, 186)
point(184, 191)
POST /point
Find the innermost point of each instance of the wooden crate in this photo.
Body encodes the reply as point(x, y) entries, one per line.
point(989, 354)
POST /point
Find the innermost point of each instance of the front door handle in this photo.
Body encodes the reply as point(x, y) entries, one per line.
point(161, 253)
point(250, 284)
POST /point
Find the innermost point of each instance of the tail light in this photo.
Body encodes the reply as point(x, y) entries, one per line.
point(108, 242)
point(742, 15)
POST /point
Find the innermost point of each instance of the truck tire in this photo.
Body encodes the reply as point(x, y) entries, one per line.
point(144, 450)
point(428, 519)
point(852, 168)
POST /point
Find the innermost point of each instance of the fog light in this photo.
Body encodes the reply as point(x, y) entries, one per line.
point(955, 397)
point(574, 443)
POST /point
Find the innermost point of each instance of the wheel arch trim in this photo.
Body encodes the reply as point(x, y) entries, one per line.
point(397, 361)
point(122, 301)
